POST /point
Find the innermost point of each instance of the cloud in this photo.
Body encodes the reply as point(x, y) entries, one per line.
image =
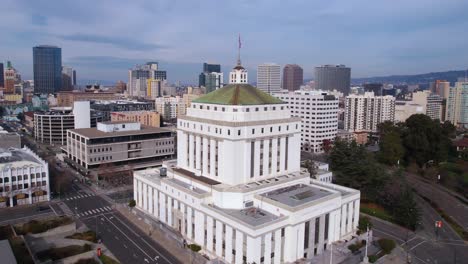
point(126, 43)
point(39, 20)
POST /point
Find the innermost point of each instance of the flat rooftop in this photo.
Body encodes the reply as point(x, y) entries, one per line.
point(6, 253)
point(195, 177)
point(297, 195)
point(93, 132)
point(252, 216)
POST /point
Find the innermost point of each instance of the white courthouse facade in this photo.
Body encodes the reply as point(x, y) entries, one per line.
point(237, 188)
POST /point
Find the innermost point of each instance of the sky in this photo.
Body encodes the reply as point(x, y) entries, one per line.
point(102, 39)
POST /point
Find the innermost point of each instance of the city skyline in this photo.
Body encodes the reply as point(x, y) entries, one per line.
point(374, 39)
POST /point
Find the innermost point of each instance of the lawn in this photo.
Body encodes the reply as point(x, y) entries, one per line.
point(108, 260)
point(36, 227)
point(376, 210)
point(61, 253)
point(88, 236)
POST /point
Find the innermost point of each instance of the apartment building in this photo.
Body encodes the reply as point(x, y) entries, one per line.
point(147, 118)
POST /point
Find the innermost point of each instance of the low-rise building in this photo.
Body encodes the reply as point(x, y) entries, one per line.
point(67, 98)
point(147, 118)
point(118, 144)
point(24, 177)
point(105, 108)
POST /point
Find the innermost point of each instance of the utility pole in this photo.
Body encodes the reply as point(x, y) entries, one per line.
point(366, 259)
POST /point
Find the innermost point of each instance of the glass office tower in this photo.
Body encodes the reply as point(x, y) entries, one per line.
point(47, 69)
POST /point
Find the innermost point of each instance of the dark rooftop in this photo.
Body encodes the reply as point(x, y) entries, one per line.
point(93, 132)
point(195, 177)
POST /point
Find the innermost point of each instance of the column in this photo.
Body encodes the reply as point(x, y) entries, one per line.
point(220, 157)
point(191, 150)
point(282, 153)
point(310, 251)
point(266, 157)
point(257, 158)
point(135, 188)
point(205, 157)
point(209, 233)
point(189, 222)
point(184, 217)
point(300, 240)
point(239, 247)
point(169, 211)
point(331, 227)
point(321, 234)
point(145, 197)
point(198, 152)
point(349, 227)
point(228, 244)
point(162, 207)
point(219, 239)
point(290, 243)
point(277, 258)
point(267, 252)
point(155, 203)
point(199, 228)
point(343, 220)
point(140, 195)
point(182, 148)
point(150, 199)
point(212, 157)
point(253, 249)
point(30, 196)
point(274, 157)
point(356, 213)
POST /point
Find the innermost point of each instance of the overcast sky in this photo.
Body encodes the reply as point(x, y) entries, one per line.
point(102, 39)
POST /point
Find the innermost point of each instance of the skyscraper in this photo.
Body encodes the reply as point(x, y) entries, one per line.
point(269, 78)
point(211, 78)
point(11, 77)
point(47, 67)
point(333, 77)
point(68, 78)
point(139, 76)
point(2, 79)
point(457, 105)
point(293, 77)
point(441, 88)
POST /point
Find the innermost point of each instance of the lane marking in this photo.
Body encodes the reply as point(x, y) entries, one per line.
point(417, 245)
point(144, 240)
point(127, 238)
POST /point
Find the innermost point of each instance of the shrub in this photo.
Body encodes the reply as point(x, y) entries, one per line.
point(373, 258)
point(364, 222)
point(87, 247)
point(108, 260)
point(387, 245)
point(87, 261)
point(36, 227)
point(60, 253)
point(131, 203)
point(88, 236)
point(353, 248)
point(194, 247)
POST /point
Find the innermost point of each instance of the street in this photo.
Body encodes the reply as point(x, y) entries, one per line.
point(121, 237)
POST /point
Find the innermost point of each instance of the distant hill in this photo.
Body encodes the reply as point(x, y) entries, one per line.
point(450, 76)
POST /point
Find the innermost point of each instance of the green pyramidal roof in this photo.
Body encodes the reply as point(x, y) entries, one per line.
point(238, 94)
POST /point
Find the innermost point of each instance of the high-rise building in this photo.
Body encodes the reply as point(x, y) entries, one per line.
point(457, 105)
point(440, 87)
point(434, 107)
point(376, 88)
point(47, 67)
point(170, 107)
point(2, 77)
point(318, 111)
point(269, 78)
point(68, 78)
point(333, 77)
point(211, 78)
point(366, 112)
point(237, 189)
point(138, 79)
point(11, 78)
point(293, 77)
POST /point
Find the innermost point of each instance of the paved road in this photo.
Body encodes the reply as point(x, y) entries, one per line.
point(451, 205)
point(424, 246)
point(122, 238)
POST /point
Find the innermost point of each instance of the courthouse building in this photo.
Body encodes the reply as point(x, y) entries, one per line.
point(237, 188)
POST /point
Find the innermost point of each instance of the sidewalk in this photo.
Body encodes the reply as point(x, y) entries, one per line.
point(172, 245)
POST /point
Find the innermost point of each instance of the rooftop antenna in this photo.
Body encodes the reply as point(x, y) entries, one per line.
point(238, 51)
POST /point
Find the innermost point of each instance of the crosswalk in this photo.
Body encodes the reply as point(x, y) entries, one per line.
point(95, 211)
point(78, 196)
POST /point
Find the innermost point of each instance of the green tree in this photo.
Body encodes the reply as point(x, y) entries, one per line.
point(364, 223)
point(132, 203)
point(406, 211)
point(391, 148)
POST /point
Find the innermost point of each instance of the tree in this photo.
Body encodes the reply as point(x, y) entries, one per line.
point(391, 148)
point(132, 203)
point(387, 245)
point(311, 168)
point(364, 223)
